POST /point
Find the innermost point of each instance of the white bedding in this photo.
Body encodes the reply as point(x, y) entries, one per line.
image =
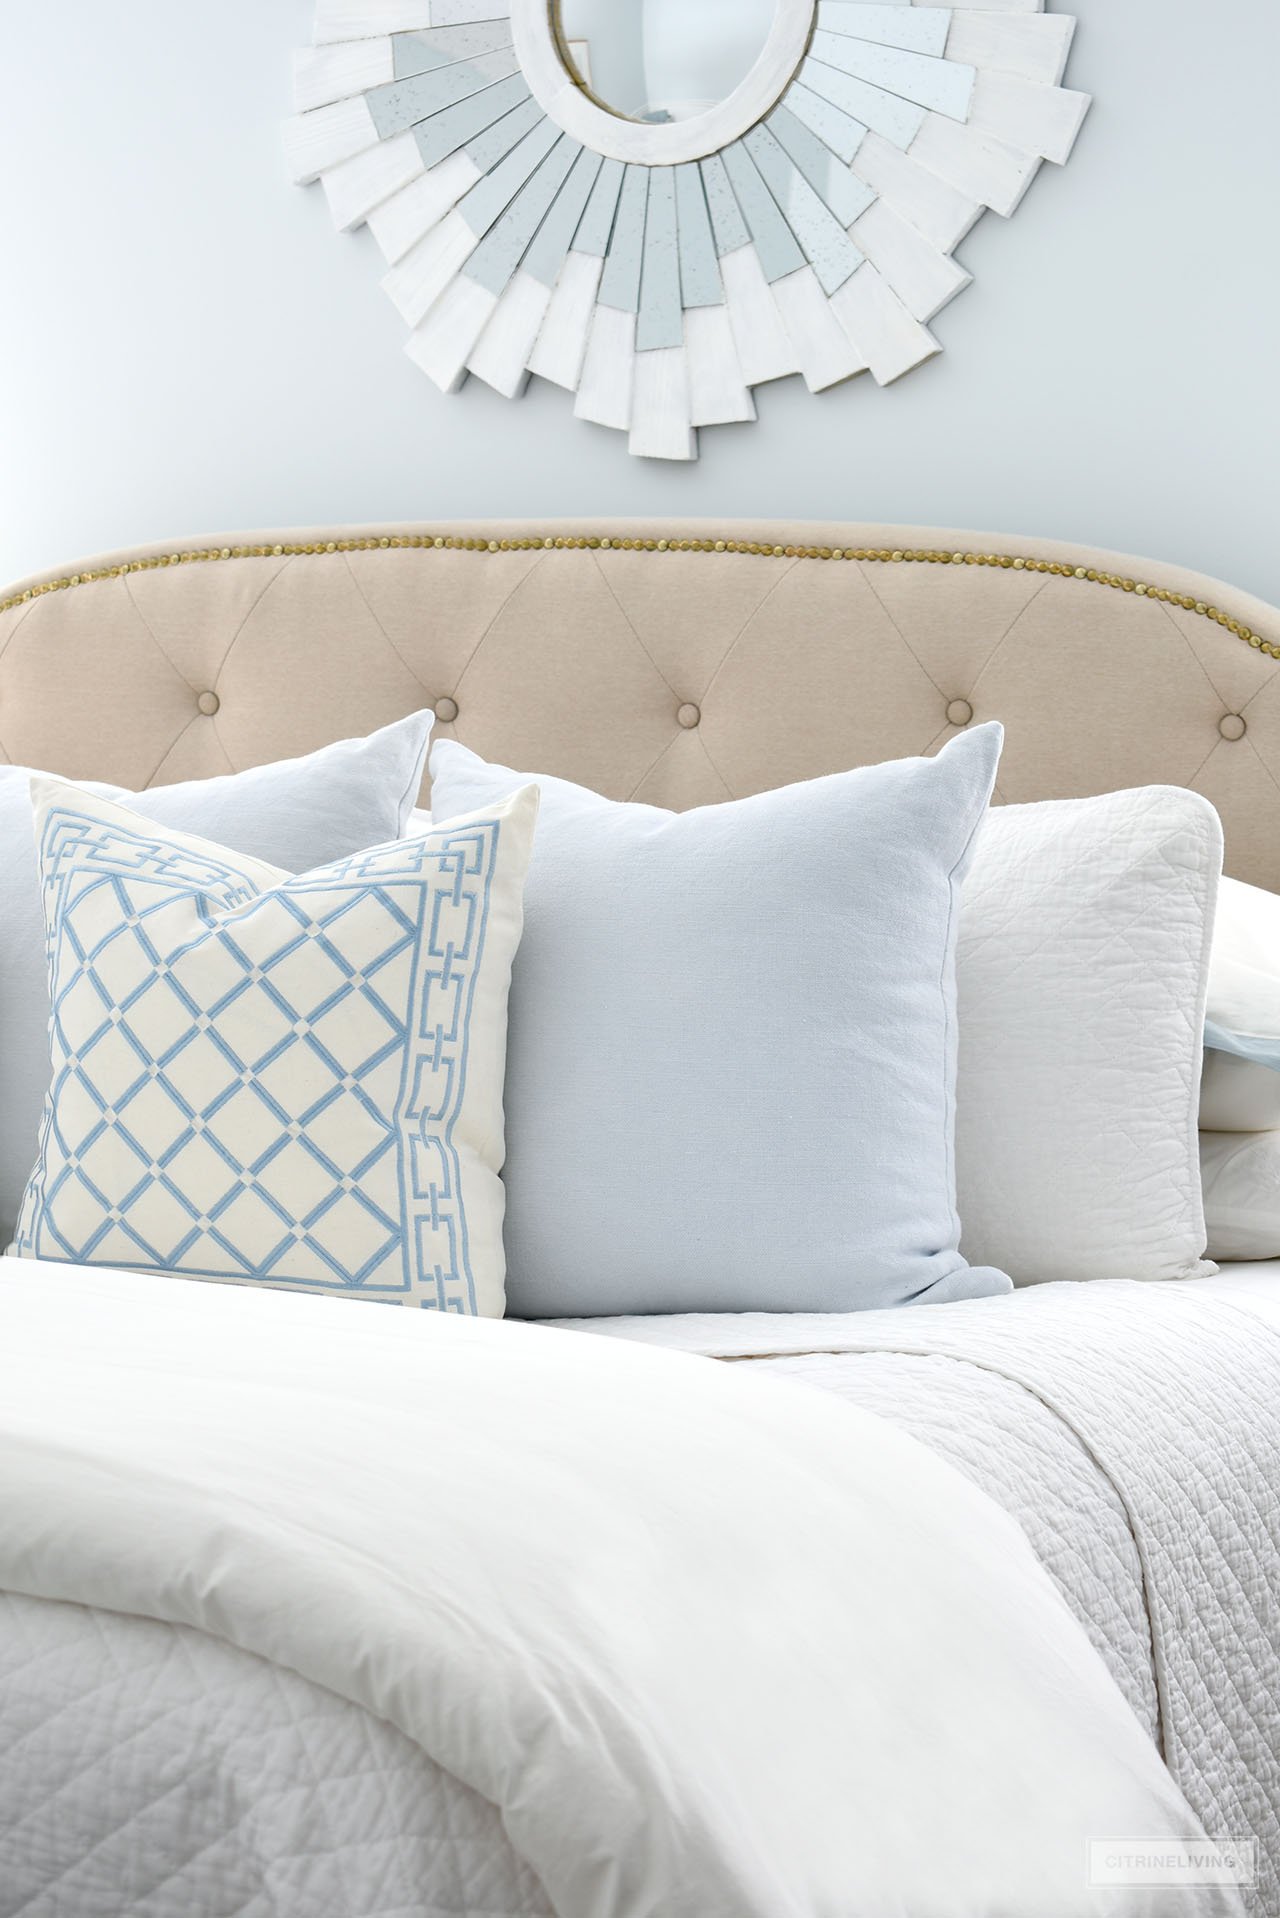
point(1145, 1438)
point(173, 1770)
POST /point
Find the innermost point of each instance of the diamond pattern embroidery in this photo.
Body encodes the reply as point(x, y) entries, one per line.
point(258, 1083)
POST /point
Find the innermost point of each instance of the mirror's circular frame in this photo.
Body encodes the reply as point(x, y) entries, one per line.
point(561, 95)
point(659, 271)
point(709, 42)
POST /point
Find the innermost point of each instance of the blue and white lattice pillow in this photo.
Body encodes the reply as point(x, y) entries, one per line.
point(263, 1078)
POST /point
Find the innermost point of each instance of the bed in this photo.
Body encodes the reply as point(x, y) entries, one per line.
point(159, 1758)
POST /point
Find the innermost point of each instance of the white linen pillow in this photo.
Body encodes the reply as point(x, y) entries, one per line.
point(1082, 971)
point(295, 814)
point(1240, 1088)
point(257, 1077)
point(730, 1082)
point(1241, 1175)
point(1236, 1095)
point(1242, 1017)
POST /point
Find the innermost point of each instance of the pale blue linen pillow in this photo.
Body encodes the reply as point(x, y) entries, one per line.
point(732, 1046)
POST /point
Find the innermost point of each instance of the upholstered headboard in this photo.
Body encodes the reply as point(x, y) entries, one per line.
point(679, 663)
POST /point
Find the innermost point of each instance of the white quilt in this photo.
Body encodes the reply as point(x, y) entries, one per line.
point(406, 1569)
point(1134, 1430)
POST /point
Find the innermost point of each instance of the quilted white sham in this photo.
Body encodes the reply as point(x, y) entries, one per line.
point(1082, 970)
point(150, 1770)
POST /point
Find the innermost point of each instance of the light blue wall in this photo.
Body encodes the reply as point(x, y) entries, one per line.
point(702, 49)
point(186, 346)
point(662, 51)
point(614, 32)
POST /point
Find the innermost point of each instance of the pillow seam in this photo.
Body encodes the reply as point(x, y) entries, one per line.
point(1207, 838)
point(951, 1023)
point(413, 789)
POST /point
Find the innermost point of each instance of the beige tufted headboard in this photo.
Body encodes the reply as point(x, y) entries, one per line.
point(679, 663)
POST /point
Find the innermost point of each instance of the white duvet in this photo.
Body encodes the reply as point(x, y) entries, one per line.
point(1135, 1432)
point(714, 1645)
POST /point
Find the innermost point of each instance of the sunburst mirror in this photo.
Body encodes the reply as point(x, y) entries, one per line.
point(660, 204)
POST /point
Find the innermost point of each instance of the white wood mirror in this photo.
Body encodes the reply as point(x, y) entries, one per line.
point(718, 65)
point(660, 204)
point(661, 60)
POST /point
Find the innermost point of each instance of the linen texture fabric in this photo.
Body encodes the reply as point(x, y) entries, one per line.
point(1242, 1017)
point(258, 1077)
point(731, 1070)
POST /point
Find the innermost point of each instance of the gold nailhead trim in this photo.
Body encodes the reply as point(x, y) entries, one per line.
point(580, 542)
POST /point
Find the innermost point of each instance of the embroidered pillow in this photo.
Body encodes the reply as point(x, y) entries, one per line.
point(296, 813)
point(295, 1081)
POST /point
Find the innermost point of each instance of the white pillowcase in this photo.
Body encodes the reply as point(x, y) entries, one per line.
point(1241, 1174)
point(1238, 1096)
point(294, 1081)
point(1240, 1091)
point(1082, 968)
point(1243, 1012)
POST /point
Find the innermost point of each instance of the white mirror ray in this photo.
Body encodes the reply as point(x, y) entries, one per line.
point(816, 238)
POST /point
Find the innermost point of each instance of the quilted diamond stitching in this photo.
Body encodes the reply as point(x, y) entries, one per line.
point(1021, 1454)
point(1172, 1577)
point(168, 1775)
point(1136, 1149)
point(1193, 1457)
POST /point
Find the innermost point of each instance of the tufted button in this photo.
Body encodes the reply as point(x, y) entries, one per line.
point(1232, 726)
point(688, 716)
point(446, 710)
point(208, 704)
point(959, 712)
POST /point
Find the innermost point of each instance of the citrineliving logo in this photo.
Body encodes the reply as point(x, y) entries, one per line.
point(1171, 1861)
